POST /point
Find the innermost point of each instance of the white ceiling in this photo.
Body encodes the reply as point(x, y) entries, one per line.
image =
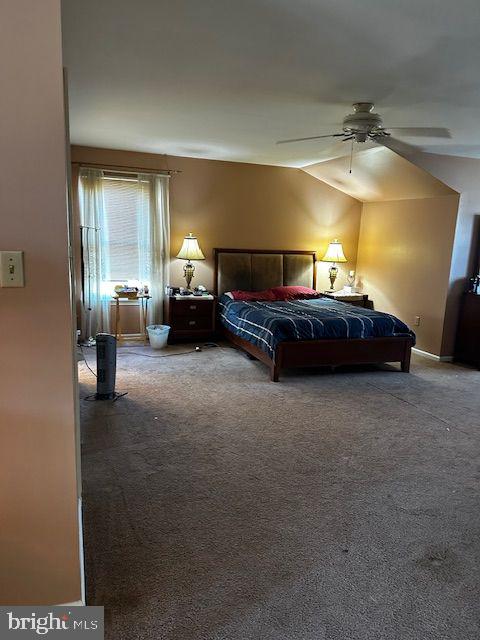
point(225, 79)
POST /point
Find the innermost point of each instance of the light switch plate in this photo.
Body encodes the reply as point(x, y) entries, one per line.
point(11, 269)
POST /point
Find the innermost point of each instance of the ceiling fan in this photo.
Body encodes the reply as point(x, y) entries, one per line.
point(363, 125)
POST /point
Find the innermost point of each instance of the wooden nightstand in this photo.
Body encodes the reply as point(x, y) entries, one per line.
point(190, 317)
point(357, 299)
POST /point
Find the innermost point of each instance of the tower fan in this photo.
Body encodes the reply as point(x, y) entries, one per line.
point(106, 366)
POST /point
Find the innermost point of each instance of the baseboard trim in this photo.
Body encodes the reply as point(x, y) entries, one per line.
point(432, 356)
point(81, 553)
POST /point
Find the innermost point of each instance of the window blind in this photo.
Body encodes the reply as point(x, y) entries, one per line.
point(123, 200)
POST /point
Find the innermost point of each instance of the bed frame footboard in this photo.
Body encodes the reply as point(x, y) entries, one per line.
point(333, 353)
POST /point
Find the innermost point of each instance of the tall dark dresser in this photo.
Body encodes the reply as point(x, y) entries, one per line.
point(467, 348)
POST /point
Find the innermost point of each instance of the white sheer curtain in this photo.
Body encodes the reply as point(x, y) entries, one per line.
point(94, 228)
point(154, 240)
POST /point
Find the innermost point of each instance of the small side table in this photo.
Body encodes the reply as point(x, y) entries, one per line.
point(143, 308)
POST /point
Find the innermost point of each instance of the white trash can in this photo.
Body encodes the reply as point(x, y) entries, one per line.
point(158, 335)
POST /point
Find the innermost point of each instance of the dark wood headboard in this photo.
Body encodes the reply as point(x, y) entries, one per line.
point(258, 269)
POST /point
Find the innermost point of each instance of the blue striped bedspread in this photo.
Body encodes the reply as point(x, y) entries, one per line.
point(266, 324)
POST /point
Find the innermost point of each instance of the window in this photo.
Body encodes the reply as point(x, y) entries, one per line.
point(125, 201)
point(125, 234)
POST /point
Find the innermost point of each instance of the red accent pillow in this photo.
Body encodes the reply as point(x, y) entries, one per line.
point(252, 296)
point(294, 293)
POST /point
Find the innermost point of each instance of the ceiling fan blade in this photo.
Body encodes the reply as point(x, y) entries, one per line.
point(422, 132)
point(330, 135)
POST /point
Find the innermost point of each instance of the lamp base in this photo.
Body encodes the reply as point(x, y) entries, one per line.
point(333, 272)
point(188, 272)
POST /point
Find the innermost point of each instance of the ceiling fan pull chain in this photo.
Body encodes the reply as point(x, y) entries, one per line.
point(351, 158)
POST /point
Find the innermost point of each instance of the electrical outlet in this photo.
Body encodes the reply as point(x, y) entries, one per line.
point(416, 320)
point(11, 269)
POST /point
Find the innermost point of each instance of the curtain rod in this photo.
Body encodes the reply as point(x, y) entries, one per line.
point(124, 169)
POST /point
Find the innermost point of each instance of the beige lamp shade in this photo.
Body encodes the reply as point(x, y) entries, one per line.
point(334, 253)
point(190, 249)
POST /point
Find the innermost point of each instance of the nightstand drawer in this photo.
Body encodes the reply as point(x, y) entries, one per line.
point(193, 323)
point(192, 308)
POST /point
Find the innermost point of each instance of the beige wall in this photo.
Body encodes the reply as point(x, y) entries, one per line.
point(39, 557)
point(246, 206)
point(405, 250)
point(410, 211)
point(405, 245)
point(462, 175)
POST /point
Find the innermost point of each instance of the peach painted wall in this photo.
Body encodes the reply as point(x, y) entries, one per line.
point(245, 206)
point(39, 541)
point(462, 175)
point(404, 256)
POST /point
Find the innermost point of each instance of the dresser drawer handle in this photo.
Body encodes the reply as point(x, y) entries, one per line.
point(193, 307)
point(192, 322)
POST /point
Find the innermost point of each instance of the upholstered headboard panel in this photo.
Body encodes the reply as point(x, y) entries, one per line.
point(254, 270)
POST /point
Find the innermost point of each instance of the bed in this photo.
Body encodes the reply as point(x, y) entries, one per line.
point(302, 333)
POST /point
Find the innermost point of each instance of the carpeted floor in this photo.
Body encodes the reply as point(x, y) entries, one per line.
point(221, 506)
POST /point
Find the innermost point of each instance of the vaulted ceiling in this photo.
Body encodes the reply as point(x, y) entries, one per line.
point(378, 174)
point(225, 79)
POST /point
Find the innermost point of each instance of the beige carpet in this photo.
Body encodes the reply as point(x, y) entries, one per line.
point(221, 506)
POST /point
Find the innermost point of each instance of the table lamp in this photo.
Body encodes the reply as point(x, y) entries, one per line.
point(334, 254)
point(190, 251)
